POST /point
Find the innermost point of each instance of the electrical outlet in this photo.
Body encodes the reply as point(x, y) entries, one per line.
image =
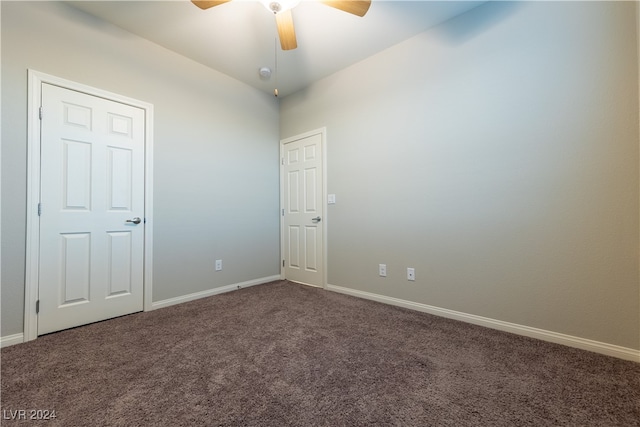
point(382, 270)
point(218, 264)
point(411, 274)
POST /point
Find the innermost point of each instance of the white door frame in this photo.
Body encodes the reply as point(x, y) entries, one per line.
point(325, 219)
point(35, 81)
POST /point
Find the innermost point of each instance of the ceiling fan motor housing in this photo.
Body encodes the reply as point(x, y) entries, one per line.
point(275, 7)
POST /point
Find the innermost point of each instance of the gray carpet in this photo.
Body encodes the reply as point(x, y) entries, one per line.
point(283, 354)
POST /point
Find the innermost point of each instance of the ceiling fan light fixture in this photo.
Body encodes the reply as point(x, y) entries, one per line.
point(278, 6)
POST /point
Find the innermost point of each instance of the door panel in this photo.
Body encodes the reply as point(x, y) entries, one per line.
point(119, 179)
point(76, 190)
point(294, 190)
point(294, 247)
point(76, 267)
point(310, 190)
point(311, 240)
point(119, 259)
point(303, 252)
point(92, 183)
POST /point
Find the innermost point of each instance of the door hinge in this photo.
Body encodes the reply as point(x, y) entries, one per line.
point(37, 306)
point(40, 113)
point(39, 209)
point(282, 161)
point(283, 263)
point(282, 212)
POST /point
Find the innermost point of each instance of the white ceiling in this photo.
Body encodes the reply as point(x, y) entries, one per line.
point(239, 37)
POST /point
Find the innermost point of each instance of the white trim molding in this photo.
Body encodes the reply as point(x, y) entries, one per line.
point(638, 45)
point(211, 292)
point(11, 340)
point(35, 81)
point(541, 334)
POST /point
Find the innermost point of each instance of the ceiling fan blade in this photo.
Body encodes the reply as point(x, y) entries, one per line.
point(286, 32)
point(355, 7)
point(206, 4)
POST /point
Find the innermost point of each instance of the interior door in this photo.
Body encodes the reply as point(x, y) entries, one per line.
point(303, 256)
point(92, 209)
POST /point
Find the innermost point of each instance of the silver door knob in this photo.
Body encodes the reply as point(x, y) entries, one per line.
point(316, 219)
point(135, 220)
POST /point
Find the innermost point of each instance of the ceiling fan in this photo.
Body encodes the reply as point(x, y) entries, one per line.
point(284, 18)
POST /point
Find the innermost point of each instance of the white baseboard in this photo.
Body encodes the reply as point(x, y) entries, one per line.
point(541, 334)
point(210, 292)
point(11, 340)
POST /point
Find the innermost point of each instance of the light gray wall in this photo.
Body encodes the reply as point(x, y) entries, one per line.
point(498, 156)
point(215, 154)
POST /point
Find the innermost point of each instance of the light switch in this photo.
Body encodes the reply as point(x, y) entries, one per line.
point(332, 199)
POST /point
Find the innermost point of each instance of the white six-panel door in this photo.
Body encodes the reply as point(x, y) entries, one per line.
point(303, 214)
point(92, 192)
